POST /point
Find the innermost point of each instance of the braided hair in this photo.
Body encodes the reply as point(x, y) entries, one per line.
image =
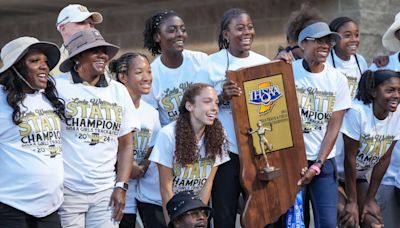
point(225, 21)
point(152, 26)
point(370, 80)
point(123, 63)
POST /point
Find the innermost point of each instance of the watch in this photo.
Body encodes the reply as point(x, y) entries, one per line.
point(122, 185)
point(319, 161)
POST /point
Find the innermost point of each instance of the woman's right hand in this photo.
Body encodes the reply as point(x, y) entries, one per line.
point(350, 216)
point(230, 89)
point(307, 175)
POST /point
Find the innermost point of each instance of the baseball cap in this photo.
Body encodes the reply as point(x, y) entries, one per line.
point(76, 13)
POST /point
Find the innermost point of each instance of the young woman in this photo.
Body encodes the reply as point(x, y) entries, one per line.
point(235, 38)
point(175, 67)
point(31, 165)
point(189, 151)
point(370, 130)
point(323, 96)
point(96, 136)
point(133, 70)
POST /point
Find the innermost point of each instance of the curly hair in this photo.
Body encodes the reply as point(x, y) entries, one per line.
point(186, 151)
point(123, 64)
point(300, 19)
point(14, 86)
point(370, 80)
point(225, 21)
point(152, 26)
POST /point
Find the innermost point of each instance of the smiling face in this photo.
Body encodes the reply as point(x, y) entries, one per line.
point(204, 110)
point(348, 45)
point(240, 34)
point(316, 51)
point(37, 69)
point(139, 78)
point(172, 35)
point(92, 62)
point(386, 96)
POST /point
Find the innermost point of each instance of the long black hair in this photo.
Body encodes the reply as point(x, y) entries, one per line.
point(370, 80)
point(14, 86)
point(152, 26)
point(225, 20)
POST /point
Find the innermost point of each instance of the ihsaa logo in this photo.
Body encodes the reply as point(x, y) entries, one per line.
point(266, 95)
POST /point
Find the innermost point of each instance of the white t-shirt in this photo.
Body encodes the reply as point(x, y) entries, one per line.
point(186, 177)
point(31, 165)
point(99, 115)
point(392, 173)
point(144, 138)
point(319, 95)
point(213, 72)
point(169, 84)
point(375, 136)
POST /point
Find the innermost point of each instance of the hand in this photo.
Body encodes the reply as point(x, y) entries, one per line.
point(229, 90)
point(371, 208)
point(117, 203)
point(350, 215)
point(144, 165)
point(381, 60)
point(285, 56)
point(306, 176)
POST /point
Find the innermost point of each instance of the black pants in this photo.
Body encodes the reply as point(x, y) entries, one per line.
point(14, 218)
point(128, 221)
point(152, 215)
point(225, 193)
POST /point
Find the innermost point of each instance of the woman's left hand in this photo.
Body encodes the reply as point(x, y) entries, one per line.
point(306, 176)
point(285, 56)
point(371, 208)
point(117, 203)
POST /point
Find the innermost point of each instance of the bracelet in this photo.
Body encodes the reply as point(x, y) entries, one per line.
point(316, 168)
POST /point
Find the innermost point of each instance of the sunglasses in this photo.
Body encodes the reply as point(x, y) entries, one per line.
point(198, 213)
point(324, 40)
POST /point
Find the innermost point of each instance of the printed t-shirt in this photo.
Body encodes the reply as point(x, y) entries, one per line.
point(318, 96)
point(213, 72)
point(31, 165)
point(143, 139)
point(169, 84)
point(186, 177)
point(99, 115)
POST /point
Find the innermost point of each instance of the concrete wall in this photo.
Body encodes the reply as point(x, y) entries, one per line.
point(124, 25)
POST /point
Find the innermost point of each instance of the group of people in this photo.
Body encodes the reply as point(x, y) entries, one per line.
point(88, 141)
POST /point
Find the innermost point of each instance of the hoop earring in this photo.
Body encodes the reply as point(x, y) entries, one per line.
point(76, 67)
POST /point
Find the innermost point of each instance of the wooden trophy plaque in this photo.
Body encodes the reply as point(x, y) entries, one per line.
point(270, 141)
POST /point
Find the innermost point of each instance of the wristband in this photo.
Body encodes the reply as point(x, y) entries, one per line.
point(316, 168)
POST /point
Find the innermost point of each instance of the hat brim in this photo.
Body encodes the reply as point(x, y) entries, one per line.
point(336, 36)
point(50, 50)
point(97, 17)
point(189, 207)
point(389, 39)
point(111, 51)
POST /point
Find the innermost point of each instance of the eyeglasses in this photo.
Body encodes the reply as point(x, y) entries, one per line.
point(198, 213)
point(324, 40)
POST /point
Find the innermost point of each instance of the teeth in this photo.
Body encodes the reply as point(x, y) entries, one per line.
point(180, 42)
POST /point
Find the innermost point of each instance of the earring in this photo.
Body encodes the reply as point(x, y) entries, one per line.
point(76, 66)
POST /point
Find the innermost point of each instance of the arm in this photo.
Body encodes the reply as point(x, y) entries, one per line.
point(327, 144)
point(350, 217)
point(166, 178)
point(370, 205)
point(138, 170)
point(205, 192)
point(124, 168)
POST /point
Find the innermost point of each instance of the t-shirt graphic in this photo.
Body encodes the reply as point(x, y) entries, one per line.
point(315, 108)
point(94, 120)
point(40, 132)
point(171, 99)
point(141, 142)
point(372, 148)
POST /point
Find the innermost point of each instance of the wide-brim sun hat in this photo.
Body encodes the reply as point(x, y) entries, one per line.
point(14, 50)
point(83, 41)
point(389, 39)
point(318, 30)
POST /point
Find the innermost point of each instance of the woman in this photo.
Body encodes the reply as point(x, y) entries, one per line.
point(323, 96)
point(31, 165)
point(189, 151)
point(175, 67)
point(133, 70)
point(370, 130)
point(97, 135)
point(235, 38)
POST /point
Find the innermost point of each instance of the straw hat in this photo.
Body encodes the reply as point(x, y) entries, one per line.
point(85, 40)
point(389, 40)
point(14, 50)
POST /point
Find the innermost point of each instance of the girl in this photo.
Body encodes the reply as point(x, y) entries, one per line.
point(175, 67)
point(31, 165)
point(323, 96)
point(133, 70)
point(370, 130)
point(189, 151)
